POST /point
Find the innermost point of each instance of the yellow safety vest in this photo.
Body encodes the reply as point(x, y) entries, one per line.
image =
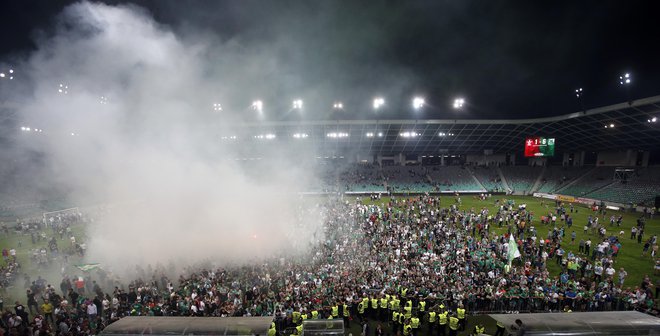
point(422, 306)
point(346, 312)
point(407, 311)
point(335, 311)
point(374, 303)
point(395, 316)
point(296, 317)
point(460, 312)
point(406, 329)
point(329, 323)
point(361, 308)
point(396, 304)
point(272, 332)
point(299, 328)
point(315, 314)
point(402, 318)
point(432, 317)
point(500, 325)
point(383, 303)
point(442, 318)
point(414, 322)
point(479, 330)
point(404, 292)
point(303, 316)
point(453, 323)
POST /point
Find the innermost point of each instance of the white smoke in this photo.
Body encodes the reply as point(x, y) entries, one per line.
point(136, 128)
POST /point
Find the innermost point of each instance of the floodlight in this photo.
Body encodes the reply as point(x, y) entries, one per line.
point(459, 102)
point(380, 134)
point(578, 92)
point(369, 135)
point(297, 104)
point(258, 105)
point(378, 103)
point(654, 119)
point(625, 79)
point(418, 103)
point(338, 105)
point(217, 107)
point(2, 75)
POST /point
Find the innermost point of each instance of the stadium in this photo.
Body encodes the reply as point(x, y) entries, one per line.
point(274, 169)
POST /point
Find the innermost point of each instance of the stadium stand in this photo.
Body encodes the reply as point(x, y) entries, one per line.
point(488, 177)
point(407, 179)
point(593, 180)
point(556, 177)
point(521, 178)
point(362, 178)
point(640, 188)
point(452, 178)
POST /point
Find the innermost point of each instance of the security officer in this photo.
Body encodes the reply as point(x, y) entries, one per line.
point(295, 317)
point(335, 311)
point(347, 315)
point(315, 314)
point(442, 323)
point(460, 314)
point(395, 321)
point(383, 309)
point(272, 331)
point(432, 319)
point(453, 325)
point(414, 322)
point(479, 329)
point(500, 329)
point(361, 310)
point(422, 307)
point(374, 308)
point(407, 328)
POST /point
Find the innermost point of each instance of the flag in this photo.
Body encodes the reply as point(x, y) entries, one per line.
point(88, 267)
point(513, 252)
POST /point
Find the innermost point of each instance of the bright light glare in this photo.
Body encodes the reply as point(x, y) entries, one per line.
point(418, 103)
point(409, 134)
point(625, 79)
point(300, 135)
point(369, 135)
point(338, 105)
point(217, 107)
point(297, 104)
point(258, 105)
point(337, 135)
point(578, 92)
point(458, 103)
point(378, 103)
point(380, 134)
point(2, 75)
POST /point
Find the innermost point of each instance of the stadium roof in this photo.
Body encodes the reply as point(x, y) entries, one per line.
point(617, 127)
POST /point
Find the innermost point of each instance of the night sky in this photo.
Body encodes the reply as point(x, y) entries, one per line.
point(512, 59)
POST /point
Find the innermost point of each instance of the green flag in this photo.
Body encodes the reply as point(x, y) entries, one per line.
point(513, 252)
point(88, 267)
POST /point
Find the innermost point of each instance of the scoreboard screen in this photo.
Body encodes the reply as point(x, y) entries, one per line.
point(539, 147)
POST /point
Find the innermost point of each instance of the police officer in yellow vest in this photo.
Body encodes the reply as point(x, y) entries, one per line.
point(361, 310)
point(347, 315)
point(442, 323)
point(295, 317)
point(422, 308)
point(402, 318)
point(272, 331)
point(328, 324)
point(479, 329)
point(407, 328)
point(335, 311)
point(383, 309)
point(395, 321)
point(500, 329)
point(433, 316)
point(373, 312)
point(414, 322)
point(460, 314)
point(299, 329)
point(315, 314)
point(453, 325)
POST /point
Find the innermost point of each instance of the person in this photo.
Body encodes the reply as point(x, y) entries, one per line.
point(500, 329)
point(519, 327)
point(479, 329)
point(442, 323)
point(460, 314)
point(453, 325)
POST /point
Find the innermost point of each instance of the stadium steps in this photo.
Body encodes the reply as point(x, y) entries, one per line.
point(504, 182)
point(537, 184)
point(588, 193)
point(558, 191)
point(476, 180)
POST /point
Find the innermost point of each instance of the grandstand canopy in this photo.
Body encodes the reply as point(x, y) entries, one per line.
point(171, 325)
point(593, 323)
point(577, 131)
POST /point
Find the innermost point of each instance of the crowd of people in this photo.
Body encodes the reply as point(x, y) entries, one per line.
point(416, 265)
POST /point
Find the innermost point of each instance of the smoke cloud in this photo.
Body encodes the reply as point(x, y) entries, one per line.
point(126, 109)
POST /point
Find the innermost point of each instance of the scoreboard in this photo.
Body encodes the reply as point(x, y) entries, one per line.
point(539, 147)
